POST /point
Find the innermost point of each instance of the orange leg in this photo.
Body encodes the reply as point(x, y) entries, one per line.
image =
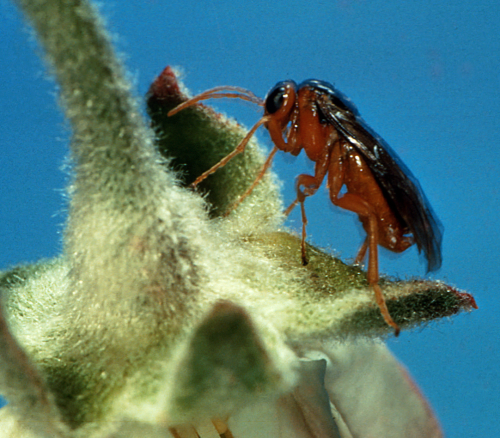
point(355, 203)
point(358, 205)
point(261, 174)
point(303, 241)
point(238, 150)
point(311, 184)
point(291, 207)
point(361, 253)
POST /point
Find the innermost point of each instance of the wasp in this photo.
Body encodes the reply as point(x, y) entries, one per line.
point(363, 174)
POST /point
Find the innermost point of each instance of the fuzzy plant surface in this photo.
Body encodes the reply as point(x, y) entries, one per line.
point(161, 318)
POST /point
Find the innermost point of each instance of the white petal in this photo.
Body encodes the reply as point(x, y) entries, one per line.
point(303, 413)
point(375, 395)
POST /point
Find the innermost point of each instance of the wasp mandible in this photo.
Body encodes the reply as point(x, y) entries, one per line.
point(379, 188)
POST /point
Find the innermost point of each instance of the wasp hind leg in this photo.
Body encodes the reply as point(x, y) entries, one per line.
point(358, 205)
point(366, 212)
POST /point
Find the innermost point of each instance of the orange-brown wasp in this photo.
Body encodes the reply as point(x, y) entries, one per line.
point(379, 188)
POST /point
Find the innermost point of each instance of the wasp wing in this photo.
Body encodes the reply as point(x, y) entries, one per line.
point(400, 188)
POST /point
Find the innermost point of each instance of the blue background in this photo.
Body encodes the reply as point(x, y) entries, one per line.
point(425, 75)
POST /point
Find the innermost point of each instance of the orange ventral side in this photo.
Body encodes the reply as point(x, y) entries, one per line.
point(379, 188)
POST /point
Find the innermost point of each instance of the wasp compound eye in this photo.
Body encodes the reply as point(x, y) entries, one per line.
point(274, 100)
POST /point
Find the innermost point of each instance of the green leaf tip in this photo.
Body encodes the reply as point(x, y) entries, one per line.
point(226, 362)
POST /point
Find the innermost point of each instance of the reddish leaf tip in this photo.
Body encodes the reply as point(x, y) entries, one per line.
point(166, 87)
point(467, 300)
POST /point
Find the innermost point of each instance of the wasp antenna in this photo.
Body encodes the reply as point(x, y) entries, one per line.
point(235, 92)
point(219, 93)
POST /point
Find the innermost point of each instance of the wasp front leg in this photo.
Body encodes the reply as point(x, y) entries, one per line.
point(307, 185)
point(344, 169)
point(257, 180)
point(311, 184)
